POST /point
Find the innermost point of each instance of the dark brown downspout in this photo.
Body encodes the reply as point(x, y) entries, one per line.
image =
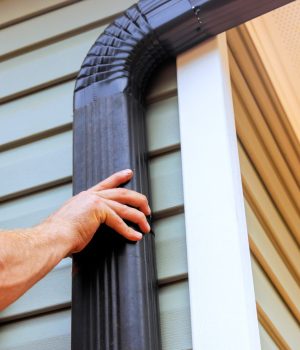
point(114, 302)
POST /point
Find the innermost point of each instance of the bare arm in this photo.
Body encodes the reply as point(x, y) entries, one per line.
point(27, 255)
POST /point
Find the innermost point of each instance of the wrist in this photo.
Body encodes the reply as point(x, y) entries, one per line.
point(56, 237)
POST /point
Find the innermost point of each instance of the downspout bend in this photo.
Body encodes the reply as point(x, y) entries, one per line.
point(115, 300)
point(128, 51)
point(150, 31)
point(115, 291)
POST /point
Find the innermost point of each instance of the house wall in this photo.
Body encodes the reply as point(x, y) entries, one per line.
point(36, 167)
point(40, 56)
point(269, 157)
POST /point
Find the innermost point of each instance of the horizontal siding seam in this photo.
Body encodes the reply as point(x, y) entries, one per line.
point(68, 179)
point(277, 178)
point(33, 315)
point(155, 97)
point(250, 197)
point(36, 137)
point(242, 35)
point(280, 111)
point(68, 127)
point(277, 245)
point(38, 88)
point(57, 38)
point(160, 97)
point(164, 151)
point(37, 13)
point(271, 329)
point(267, 152)
point(274, 280)
point(36, 189)
point(163, 282)
point(168, 212)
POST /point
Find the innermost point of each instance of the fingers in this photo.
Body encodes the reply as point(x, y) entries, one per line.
point(130, 214)
point(128, 197)
point(114, 221)
point(113, 181)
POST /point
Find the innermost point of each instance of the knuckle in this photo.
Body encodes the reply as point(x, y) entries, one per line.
point(118, 219)
point(122, 192)
point(127, 232)
point(124, 209)
point(144, 198)
point(94, 199)
point(83, 194)
point(84, 197)
point(140, 215)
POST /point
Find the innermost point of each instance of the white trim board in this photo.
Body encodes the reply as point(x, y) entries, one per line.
point(223, 311)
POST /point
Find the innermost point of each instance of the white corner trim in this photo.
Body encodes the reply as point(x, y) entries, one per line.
point(223, 311)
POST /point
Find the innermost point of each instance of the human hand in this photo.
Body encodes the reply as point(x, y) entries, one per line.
point(79, 218)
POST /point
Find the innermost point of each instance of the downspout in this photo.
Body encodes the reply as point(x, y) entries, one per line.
point(114, 302)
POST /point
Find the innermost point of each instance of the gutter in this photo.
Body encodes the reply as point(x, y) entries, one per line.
point(114, 301)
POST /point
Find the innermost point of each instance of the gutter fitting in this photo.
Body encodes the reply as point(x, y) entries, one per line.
point(114, 304)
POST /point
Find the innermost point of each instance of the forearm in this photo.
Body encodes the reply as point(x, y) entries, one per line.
point(27, 255)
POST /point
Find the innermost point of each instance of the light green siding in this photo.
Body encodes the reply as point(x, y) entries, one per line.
point(171, 248)
point(175, 316)
point(166, 181)
point(36, 175)
point(165, 114)
point(41, 163)
point(39, 117)
point(46, 332)
point(31, 209)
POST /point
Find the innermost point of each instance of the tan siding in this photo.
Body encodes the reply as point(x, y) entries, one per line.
point(275, 308)
point(266, 341)
point(273, 154)
point(268, 164)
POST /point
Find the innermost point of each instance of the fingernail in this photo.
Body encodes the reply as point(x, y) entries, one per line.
point(138, 235)
point(148, 228)
point(148, 210)
point(127, 171)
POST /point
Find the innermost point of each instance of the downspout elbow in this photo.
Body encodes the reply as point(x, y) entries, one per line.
point(124, 56)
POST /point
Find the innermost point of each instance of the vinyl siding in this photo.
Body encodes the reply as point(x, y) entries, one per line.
point(36, 170)
point(270, 192)
point(266, 341)
point(276, 288)
point(14, 11)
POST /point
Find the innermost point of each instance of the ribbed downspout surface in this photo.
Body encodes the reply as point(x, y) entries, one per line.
point(114, 303)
